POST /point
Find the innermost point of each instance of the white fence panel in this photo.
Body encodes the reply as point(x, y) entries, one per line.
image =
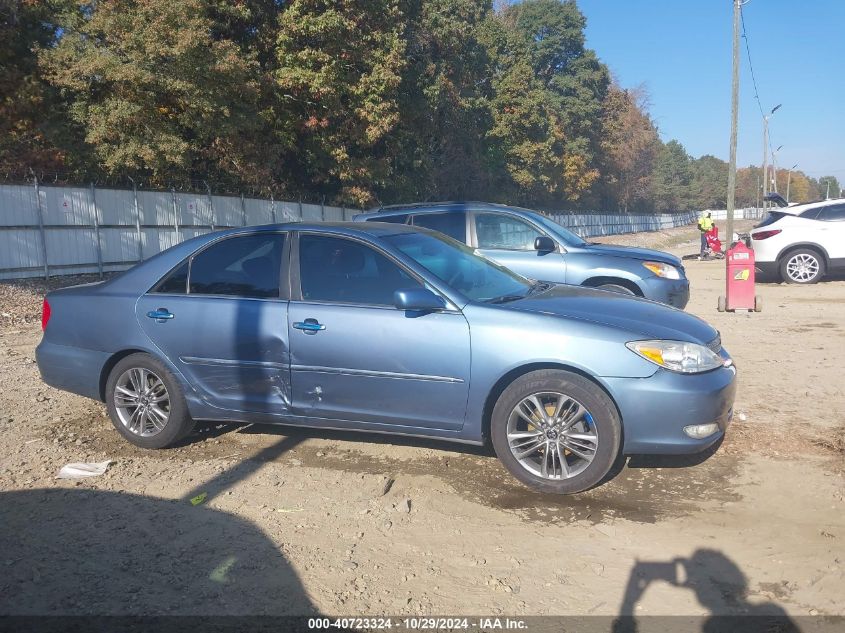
point(88, 229)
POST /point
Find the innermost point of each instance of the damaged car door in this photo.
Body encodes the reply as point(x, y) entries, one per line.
point(221, 319)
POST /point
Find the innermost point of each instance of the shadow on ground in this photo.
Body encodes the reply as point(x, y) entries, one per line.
point(719, 585)
point(86, 552)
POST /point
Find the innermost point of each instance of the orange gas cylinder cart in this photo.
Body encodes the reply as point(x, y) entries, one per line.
point(739, 282)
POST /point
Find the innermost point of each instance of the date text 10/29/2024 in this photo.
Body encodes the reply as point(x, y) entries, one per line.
point(418, 623)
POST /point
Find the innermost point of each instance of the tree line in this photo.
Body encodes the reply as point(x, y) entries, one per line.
point(355, 101)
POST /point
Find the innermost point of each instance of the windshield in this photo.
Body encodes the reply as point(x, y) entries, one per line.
point(456, 264)
point(564, 234)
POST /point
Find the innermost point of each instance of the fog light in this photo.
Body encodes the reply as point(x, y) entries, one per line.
point(700, 431)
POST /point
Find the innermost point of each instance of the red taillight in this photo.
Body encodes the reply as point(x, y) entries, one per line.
point(764, 235)
point(45, 314)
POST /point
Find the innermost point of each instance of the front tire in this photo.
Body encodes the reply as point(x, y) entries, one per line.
point(802, 266)
point(556, 431)
point(146, 403)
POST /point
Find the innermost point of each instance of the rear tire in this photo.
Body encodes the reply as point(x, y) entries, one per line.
point(802, 266)
point(567, 445)
point(146, 403)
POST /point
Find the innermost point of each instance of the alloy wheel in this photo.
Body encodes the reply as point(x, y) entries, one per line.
point(142, 402)
point(552, 435)
point(802, 267)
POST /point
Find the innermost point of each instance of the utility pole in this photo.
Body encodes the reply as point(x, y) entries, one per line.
point(827, 195)
point(734, 118)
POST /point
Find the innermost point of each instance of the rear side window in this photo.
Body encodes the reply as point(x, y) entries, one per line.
point(810, 214)
point(176, 282)
point(247, 266)
point(771, 218)
point(344, 271)
point(833, 213)
point(452, 224)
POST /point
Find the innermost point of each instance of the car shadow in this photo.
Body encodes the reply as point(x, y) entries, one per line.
point(93, 552)
point(359, 437)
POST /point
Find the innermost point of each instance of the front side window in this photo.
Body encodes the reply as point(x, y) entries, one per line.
point(504, 232)
point(247, 266)
point(338, 270)
point(474, 276)
point(452, 224)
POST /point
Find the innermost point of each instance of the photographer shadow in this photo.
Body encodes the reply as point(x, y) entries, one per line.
point(720, 587)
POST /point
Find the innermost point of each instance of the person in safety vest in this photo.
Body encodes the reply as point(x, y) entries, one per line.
point(705, 223)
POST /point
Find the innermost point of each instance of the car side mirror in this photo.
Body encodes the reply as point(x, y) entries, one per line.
point(544, 244)
point(418, 300)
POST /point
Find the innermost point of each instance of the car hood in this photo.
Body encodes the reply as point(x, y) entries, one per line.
point(645, 254)
point(648, 319)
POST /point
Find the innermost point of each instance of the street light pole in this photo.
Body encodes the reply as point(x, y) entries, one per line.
point(775, 169)
point(766, 152)
point(788, 180)
point(729, 229)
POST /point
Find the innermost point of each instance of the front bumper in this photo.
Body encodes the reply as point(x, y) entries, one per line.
point(674, 292)
point(655, 410)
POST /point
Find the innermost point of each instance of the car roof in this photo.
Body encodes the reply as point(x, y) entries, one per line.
point(797, 209)
point(370, 229)
point(435, 207)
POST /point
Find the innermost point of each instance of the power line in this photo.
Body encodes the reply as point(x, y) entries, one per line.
point(750, 65)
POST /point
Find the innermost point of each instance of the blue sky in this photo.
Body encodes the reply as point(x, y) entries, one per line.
point(681, 51)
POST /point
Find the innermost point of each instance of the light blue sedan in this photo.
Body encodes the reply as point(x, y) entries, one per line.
point(393, 329)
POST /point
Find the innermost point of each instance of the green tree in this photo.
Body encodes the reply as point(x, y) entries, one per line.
point(34, 130)
point(157, 91)
point(629, 150)
point(709, 188)
point(829, 187)
point(438, 149)
point(552, 34)
point(672, 178)
point(340, 65)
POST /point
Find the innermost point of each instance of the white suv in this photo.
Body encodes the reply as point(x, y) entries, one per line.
point(801, 243)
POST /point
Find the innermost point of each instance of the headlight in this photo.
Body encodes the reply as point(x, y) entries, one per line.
point(667, 271)
point(686, 358)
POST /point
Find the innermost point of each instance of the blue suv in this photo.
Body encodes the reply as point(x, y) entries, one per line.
point(534, 246)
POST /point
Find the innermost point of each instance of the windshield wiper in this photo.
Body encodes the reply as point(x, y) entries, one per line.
point(537, 286)
point(505, 298)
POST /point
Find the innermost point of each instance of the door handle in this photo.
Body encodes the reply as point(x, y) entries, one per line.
point(309, 326)
point(160, 315)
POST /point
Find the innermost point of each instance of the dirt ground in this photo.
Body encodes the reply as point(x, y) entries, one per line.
point(304, 521)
